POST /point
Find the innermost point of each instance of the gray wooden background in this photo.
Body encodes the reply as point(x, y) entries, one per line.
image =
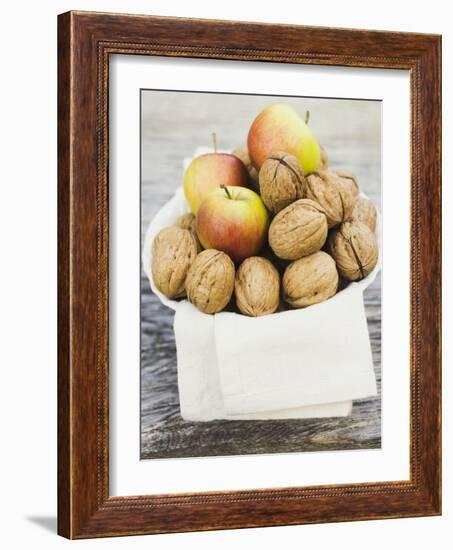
point(173, 125)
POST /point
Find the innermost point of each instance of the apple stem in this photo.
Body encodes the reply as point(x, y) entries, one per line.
point(225, 188)
point(307, 116)
point(214, 141)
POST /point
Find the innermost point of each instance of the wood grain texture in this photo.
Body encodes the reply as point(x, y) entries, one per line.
point(64, 389)
point(85, 42)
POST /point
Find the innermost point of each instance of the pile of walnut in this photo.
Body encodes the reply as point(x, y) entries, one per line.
point(322, 236)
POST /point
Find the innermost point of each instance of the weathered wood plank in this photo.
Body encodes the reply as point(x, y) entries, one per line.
point(172, 129)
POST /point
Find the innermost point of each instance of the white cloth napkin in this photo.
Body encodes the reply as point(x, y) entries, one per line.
point(201, 367)
point(299, 358)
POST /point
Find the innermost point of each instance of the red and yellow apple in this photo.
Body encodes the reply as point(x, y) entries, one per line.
point(206, 172)
point(234, 220)
point(279, 127)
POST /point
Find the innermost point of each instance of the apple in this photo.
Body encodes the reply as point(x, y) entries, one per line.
point(206, 172)
point(234, 220)
point(279, 127)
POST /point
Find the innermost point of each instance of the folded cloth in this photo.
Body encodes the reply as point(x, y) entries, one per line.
point(199, 382)
point(299, 358)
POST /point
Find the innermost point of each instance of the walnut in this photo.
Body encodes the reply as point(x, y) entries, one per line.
point(298, 230)
point(257, 287)
point(281, 181)
point(242, 153)
point(210, 281)
point(350, 181)
point(354, 247)
point(310, 280)
point(173, 252)
point(364, 211)
point(332, 195)
point(324, 162)
point(186, 221)
point(189, 221)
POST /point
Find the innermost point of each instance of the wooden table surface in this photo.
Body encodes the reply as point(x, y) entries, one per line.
point(173, 125)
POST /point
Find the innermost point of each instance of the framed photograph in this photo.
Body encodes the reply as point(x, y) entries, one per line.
point(249, 275)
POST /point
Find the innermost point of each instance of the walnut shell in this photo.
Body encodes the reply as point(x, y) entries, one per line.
point(336, 198)
point(354, 247)
point(189, 221)
point(186, 221)
point(173, 252)
point(242, 153)
point(257, 287)
point(324, 162)
point(281, 181)
point(364, 211)
point(210, 281)
point(349, 180)
point(298, 230)
point(310, 280)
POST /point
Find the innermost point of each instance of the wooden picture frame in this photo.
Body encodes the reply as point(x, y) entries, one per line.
point(85, 42)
